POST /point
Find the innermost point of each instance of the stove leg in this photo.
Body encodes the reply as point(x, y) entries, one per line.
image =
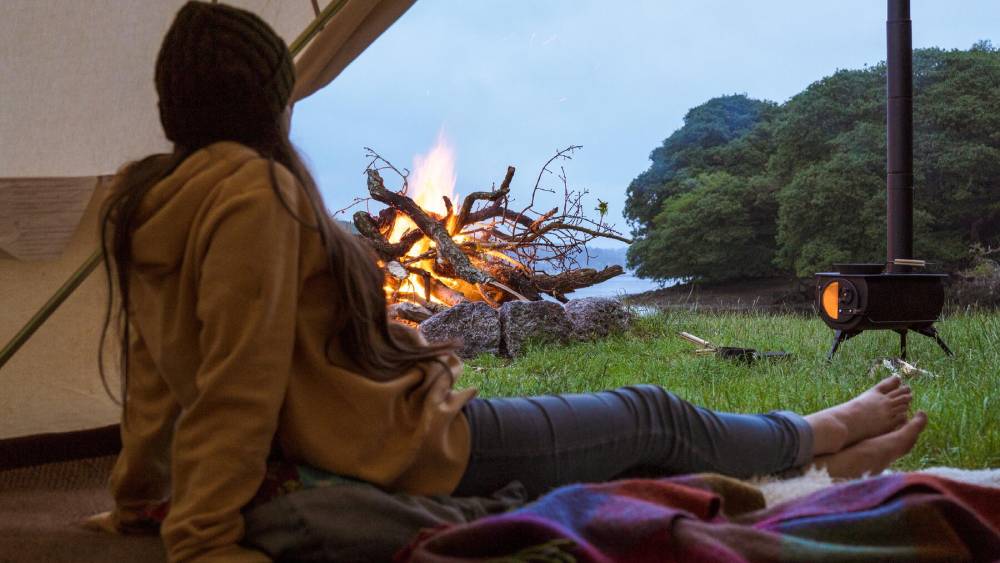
point(932, 332)
point(838, 337)
point(902, 344)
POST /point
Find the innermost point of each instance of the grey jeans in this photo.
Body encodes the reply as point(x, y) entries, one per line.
point(548, 441)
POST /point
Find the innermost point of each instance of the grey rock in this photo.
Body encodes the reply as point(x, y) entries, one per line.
point(474, 322)
point(540, 321)
point(597, 317)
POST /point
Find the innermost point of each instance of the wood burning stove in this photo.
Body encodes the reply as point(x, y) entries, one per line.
point(859, 297)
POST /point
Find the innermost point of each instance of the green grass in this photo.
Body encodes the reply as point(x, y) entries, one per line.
point(962, 401)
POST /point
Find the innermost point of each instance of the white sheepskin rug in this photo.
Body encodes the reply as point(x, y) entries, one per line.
point(777, 490)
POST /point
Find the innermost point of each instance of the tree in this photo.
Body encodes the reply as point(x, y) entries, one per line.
point(721, 229)
point(833, 210)
point(802, 185)
point(832, 199)
point(687, 151)
point(957, 149)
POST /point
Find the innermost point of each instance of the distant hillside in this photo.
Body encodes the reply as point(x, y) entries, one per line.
point(604, 257)
point(599, 258)
point(348, 226)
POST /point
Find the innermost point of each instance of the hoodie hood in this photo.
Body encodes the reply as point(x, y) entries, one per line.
point(167, 213)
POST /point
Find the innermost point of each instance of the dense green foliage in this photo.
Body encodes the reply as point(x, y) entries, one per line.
point(752, 189)
point(960, 402)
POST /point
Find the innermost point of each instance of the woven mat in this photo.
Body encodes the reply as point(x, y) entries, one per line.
point(41, 508)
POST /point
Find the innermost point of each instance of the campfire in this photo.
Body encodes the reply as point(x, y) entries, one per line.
point(438, 249)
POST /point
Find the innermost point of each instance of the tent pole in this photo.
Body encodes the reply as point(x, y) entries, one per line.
point(50, 307)
point(315, 26)
point(87, 268)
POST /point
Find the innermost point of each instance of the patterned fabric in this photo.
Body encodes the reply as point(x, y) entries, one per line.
point(902, 517)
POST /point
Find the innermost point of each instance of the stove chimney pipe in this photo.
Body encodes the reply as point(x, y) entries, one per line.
point(899, 134)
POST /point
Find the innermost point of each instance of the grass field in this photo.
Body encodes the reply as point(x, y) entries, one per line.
point(962, 402)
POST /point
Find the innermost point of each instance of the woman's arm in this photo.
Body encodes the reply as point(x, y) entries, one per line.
point(141, 477)
point(247, 302)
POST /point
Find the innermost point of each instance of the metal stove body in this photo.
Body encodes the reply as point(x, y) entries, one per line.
point(851, 302)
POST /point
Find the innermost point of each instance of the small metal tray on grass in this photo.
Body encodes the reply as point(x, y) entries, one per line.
point(748, 355)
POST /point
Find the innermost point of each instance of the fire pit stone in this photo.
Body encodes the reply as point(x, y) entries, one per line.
point(538, 321)
point(597, 317)
point(474, 322)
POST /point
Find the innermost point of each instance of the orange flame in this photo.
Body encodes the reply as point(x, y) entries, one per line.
point(434, 177)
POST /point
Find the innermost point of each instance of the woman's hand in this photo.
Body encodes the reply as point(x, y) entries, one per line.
point(147, 520)
point(103, 522)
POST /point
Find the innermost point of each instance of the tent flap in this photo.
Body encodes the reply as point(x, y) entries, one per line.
point(351, 31)
point(77, 101)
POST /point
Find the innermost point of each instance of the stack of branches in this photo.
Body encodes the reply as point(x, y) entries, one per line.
point(485, 247)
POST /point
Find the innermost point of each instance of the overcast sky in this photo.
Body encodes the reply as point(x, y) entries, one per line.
point(512, 81)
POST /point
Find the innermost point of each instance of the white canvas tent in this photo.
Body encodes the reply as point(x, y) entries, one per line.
point(76, 102)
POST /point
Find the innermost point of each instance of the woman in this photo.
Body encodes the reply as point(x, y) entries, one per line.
point(252, 325)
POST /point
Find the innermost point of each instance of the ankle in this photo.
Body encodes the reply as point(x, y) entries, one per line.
point(829, 433)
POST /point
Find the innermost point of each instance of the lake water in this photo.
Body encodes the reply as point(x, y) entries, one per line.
point(625, 284)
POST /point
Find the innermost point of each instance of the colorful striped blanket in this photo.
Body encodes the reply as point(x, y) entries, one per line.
point(901, 517)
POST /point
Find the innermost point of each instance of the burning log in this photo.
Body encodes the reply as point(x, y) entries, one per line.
point(419, 300)
point(438, 257)
point(466, 216)
point(447, 250)
point(556, 285)
point(519, 280)
point(409, 311)
point(559, 285)
point(437, 288)
point(368, 227)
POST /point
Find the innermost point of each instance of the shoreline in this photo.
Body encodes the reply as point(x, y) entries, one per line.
point(797, 296)
point(772, 295)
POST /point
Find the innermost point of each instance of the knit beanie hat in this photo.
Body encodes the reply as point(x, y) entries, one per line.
point(222, 74)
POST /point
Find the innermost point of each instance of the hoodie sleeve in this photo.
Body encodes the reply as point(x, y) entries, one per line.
point(141, 477)
point(247, 300)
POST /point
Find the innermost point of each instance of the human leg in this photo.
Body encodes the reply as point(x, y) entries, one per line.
point(549, 441)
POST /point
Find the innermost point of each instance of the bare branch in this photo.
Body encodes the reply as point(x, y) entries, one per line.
point(356, 201)
point(495, 196)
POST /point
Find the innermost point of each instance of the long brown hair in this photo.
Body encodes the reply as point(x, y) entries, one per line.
point(380, 349)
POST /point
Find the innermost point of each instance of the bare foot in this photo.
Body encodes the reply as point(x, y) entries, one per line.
point(878, 410)
point(873, 455)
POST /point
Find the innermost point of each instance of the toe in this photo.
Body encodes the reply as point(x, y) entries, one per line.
point(902, 390)
point(916, 424)
point(901, 400)
point(888, 384)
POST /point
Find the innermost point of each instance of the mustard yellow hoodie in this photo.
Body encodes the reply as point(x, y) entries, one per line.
point(230, 315)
